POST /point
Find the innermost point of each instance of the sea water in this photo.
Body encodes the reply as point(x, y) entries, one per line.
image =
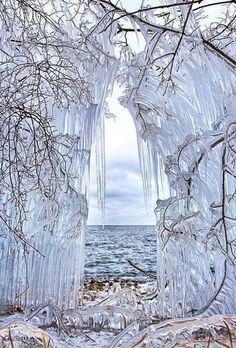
point(107, 251)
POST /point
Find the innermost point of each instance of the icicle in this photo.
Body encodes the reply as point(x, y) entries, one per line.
point(146, 169)
point(101, 94)
point(100, 167)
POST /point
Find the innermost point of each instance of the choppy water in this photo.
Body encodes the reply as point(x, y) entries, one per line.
point(107, 251)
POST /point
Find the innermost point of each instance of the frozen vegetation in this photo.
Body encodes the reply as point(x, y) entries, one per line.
point(58, 62)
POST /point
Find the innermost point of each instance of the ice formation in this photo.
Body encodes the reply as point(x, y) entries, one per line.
point(181, 93)
point(19, 334)
point(118, 322)
point(215, 331)
point(59, 60)
point(53, 88)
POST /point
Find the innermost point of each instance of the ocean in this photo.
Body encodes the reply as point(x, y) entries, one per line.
point(107, 251)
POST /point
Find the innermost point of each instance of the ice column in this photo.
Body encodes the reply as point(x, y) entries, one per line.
point(189, 125)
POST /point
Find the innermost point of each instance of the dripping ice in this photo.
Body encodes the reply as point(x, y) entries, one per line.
point(185, 127)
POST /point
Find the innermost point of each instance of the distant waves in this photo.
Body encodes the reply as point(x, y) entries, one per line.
point(108, 250)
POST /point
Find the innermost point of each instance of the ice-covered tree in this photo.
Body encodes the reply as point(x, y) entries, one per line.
point(54, 80)
point(58, 59)
point(181, 92)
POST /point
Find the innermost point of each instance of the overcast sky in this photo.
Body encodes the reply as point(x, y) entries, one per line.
point(124, 190)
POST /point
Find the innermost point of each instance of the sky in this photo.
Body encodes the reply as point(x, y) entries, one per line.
point(124, 190)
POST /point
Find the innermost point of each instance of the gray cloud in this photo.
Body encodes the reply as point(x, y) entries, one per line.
point(124, 190)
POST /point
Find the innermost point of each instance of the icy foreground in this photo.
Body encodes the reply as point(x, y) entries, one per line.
point(115, 317)
point(59, 61)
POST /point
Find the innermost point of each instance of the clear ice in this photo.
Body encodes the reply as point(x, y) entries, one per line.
point(57, 67)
